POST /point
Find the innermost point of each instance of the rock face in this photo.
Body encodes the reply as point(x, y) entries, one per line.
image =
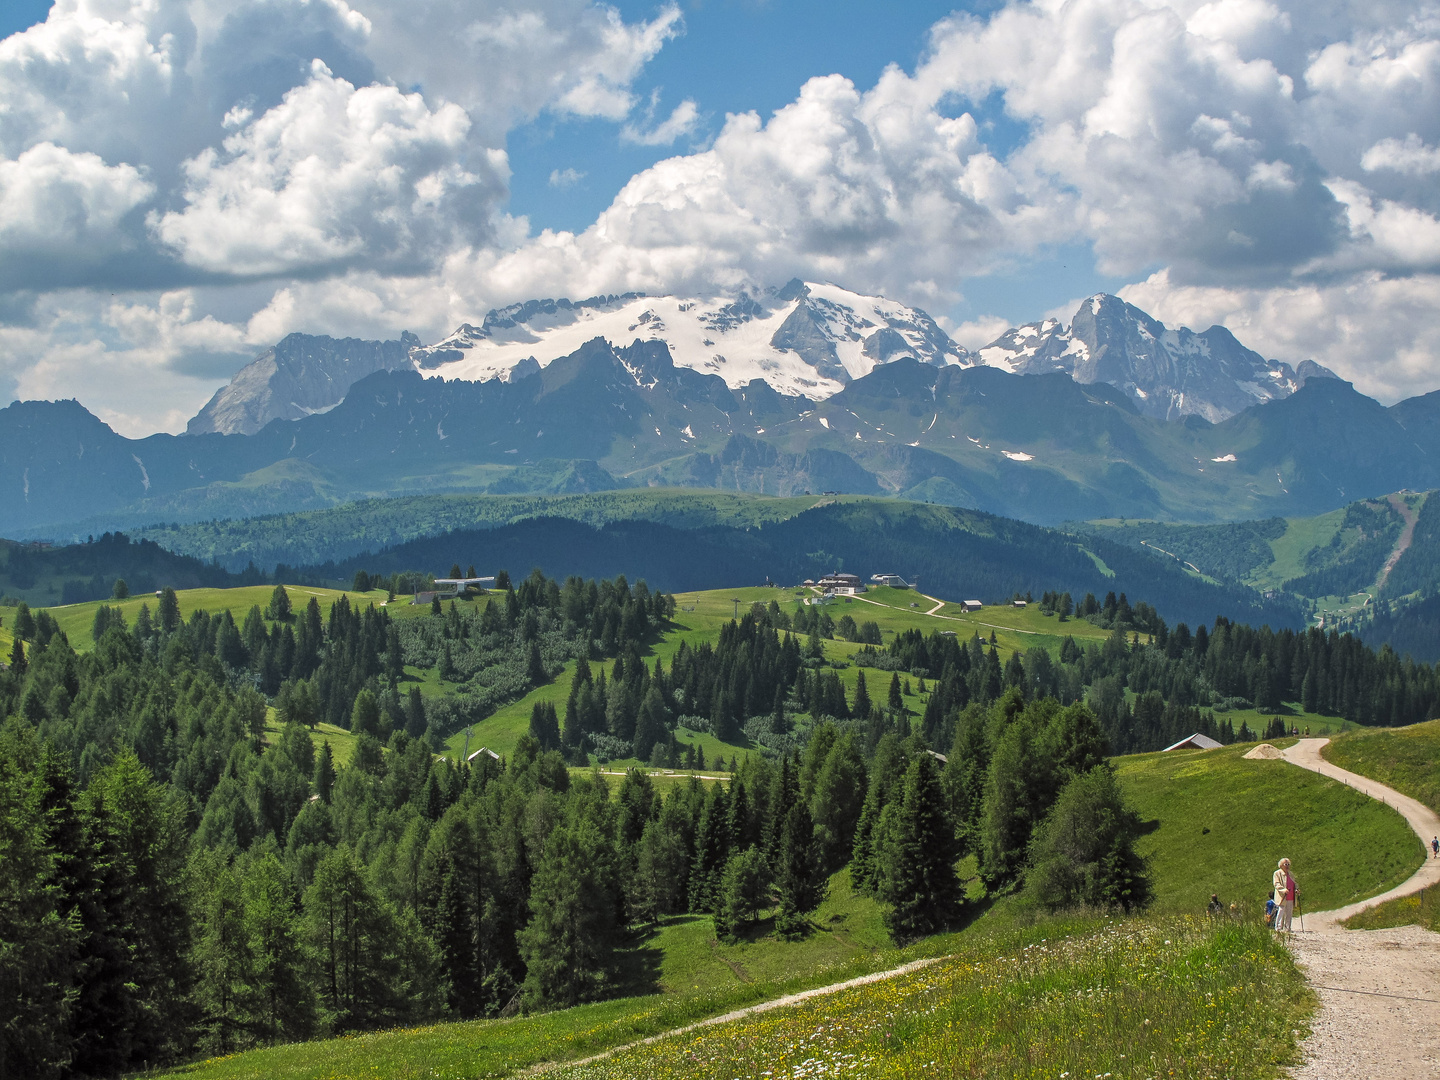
point(1167, 373)
point(300, 376)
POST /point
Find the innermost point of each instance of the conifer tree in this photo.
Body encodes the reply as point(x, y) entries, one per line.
point(712, 848)
point(861, 709)
point(324, 781)
point(896, 701)
point(221, 954)
point(744, 886)
point(168, 611)
point(799, 873)
point(282, 1001)
point(545, 725)
point(535, 667)
point(279, 608)
point(836, 802)
point(917, 864)
point(568, 945)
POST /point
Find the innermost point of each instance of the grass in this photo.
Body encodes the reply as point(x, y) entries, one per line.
point(1020, 996)
point(1422, 909)
point(1291, 714)
point(1219, 824)
point(342, 742)
point(1301, 536)
point(1128, 999)
point(1064, 994)
point(1406, 759)
point(77, 619)
point(850, 929)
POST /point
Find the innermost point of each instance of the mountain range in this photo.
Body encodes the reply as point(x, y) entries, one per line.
point(803, 340)
point(1066, 425)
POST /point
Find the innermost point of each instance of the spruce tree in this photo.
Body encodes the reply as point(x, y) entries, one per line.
point(896, 701)
point(324, 781)
point(569, 943)
point(836, 802)
point(545, 725)
point(799, 873)
point(917, 863)
point(535, 667)
point(279, 608)
point(712, 848)
point(744, 886)
point(861, 711)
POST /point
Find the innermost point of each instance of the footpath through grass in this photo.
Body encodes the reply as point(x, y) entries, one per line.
point(1136, 998)
point(1406, 759)
point(1131, 999)
point(1217, 823)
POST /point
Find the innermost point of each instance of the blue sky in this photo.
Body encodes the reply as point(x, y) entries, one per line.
point(752, 55)
point(187, 181)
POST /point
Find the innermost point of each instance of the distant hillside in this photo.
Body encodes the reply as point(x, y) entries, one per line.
point(952, 553)
point(46, 576)
point(1366, 547)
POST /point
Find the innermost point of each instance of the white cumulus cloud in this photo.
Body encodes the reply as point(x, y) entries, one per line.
point(331, 174)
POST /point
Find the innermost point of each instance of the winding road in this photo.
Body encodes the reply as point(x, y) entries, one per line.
point(1379, 990)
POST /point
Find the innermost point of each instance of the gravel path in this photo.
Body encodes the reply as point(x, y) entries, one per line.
point(1379, 990)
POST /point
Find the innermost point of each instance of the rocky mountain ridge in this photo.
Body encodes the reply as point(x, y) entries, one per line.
point(302, 375)
point(1043, 448)
point(804, 340)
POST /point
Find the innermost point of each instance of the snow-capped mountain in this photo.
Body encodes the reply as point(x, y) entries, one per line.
point(1167, 373)
point(805, 340)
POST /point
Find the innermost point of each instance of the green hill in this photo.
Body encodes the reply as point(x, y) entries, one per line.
point(1342, 844)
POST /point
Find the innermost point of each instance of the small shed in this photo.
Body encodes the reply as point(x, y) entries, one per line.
point(1018, 603)
point(486, 751)
point(1194, 742)
point(971, 605)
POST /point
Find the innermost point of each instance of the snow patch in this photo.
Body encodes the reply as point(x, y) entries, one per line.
point(824, 423)
point(1014, 455)
point(144, 476)
point(1227, 457)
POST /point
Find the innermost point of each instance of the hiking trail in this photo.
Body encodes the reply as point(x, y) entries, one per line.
point(1379, 990)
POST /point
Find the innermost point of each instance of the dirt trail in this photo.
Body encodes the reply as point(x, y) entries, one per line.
point(1379, 990)
point(764, 1006)
point(1402, 545)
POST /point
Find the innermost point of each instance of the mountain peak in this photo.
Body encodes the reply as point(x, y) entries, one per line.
point(1168, 374)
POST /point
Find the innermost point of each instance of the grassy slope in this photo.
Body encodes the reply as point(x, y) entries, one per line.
point(1407, 759)
point(700, 615)
point(1344, 846)
point(1301, 536)
point(77, 619)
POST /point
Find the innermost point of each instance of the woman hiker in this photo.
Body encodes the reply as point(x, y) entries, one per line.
point(1285, 891)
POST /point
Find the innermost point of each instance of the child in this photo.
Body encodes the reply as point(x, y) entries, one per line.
point(1270, 908)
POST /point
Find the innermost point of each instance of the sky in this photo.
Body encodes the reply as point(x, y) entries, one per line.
point(183, 182)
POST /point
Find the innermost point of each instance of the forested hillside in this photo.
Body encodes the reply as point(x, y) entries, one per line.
point(194, 872)
point(72, 574)
point(950, 552)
